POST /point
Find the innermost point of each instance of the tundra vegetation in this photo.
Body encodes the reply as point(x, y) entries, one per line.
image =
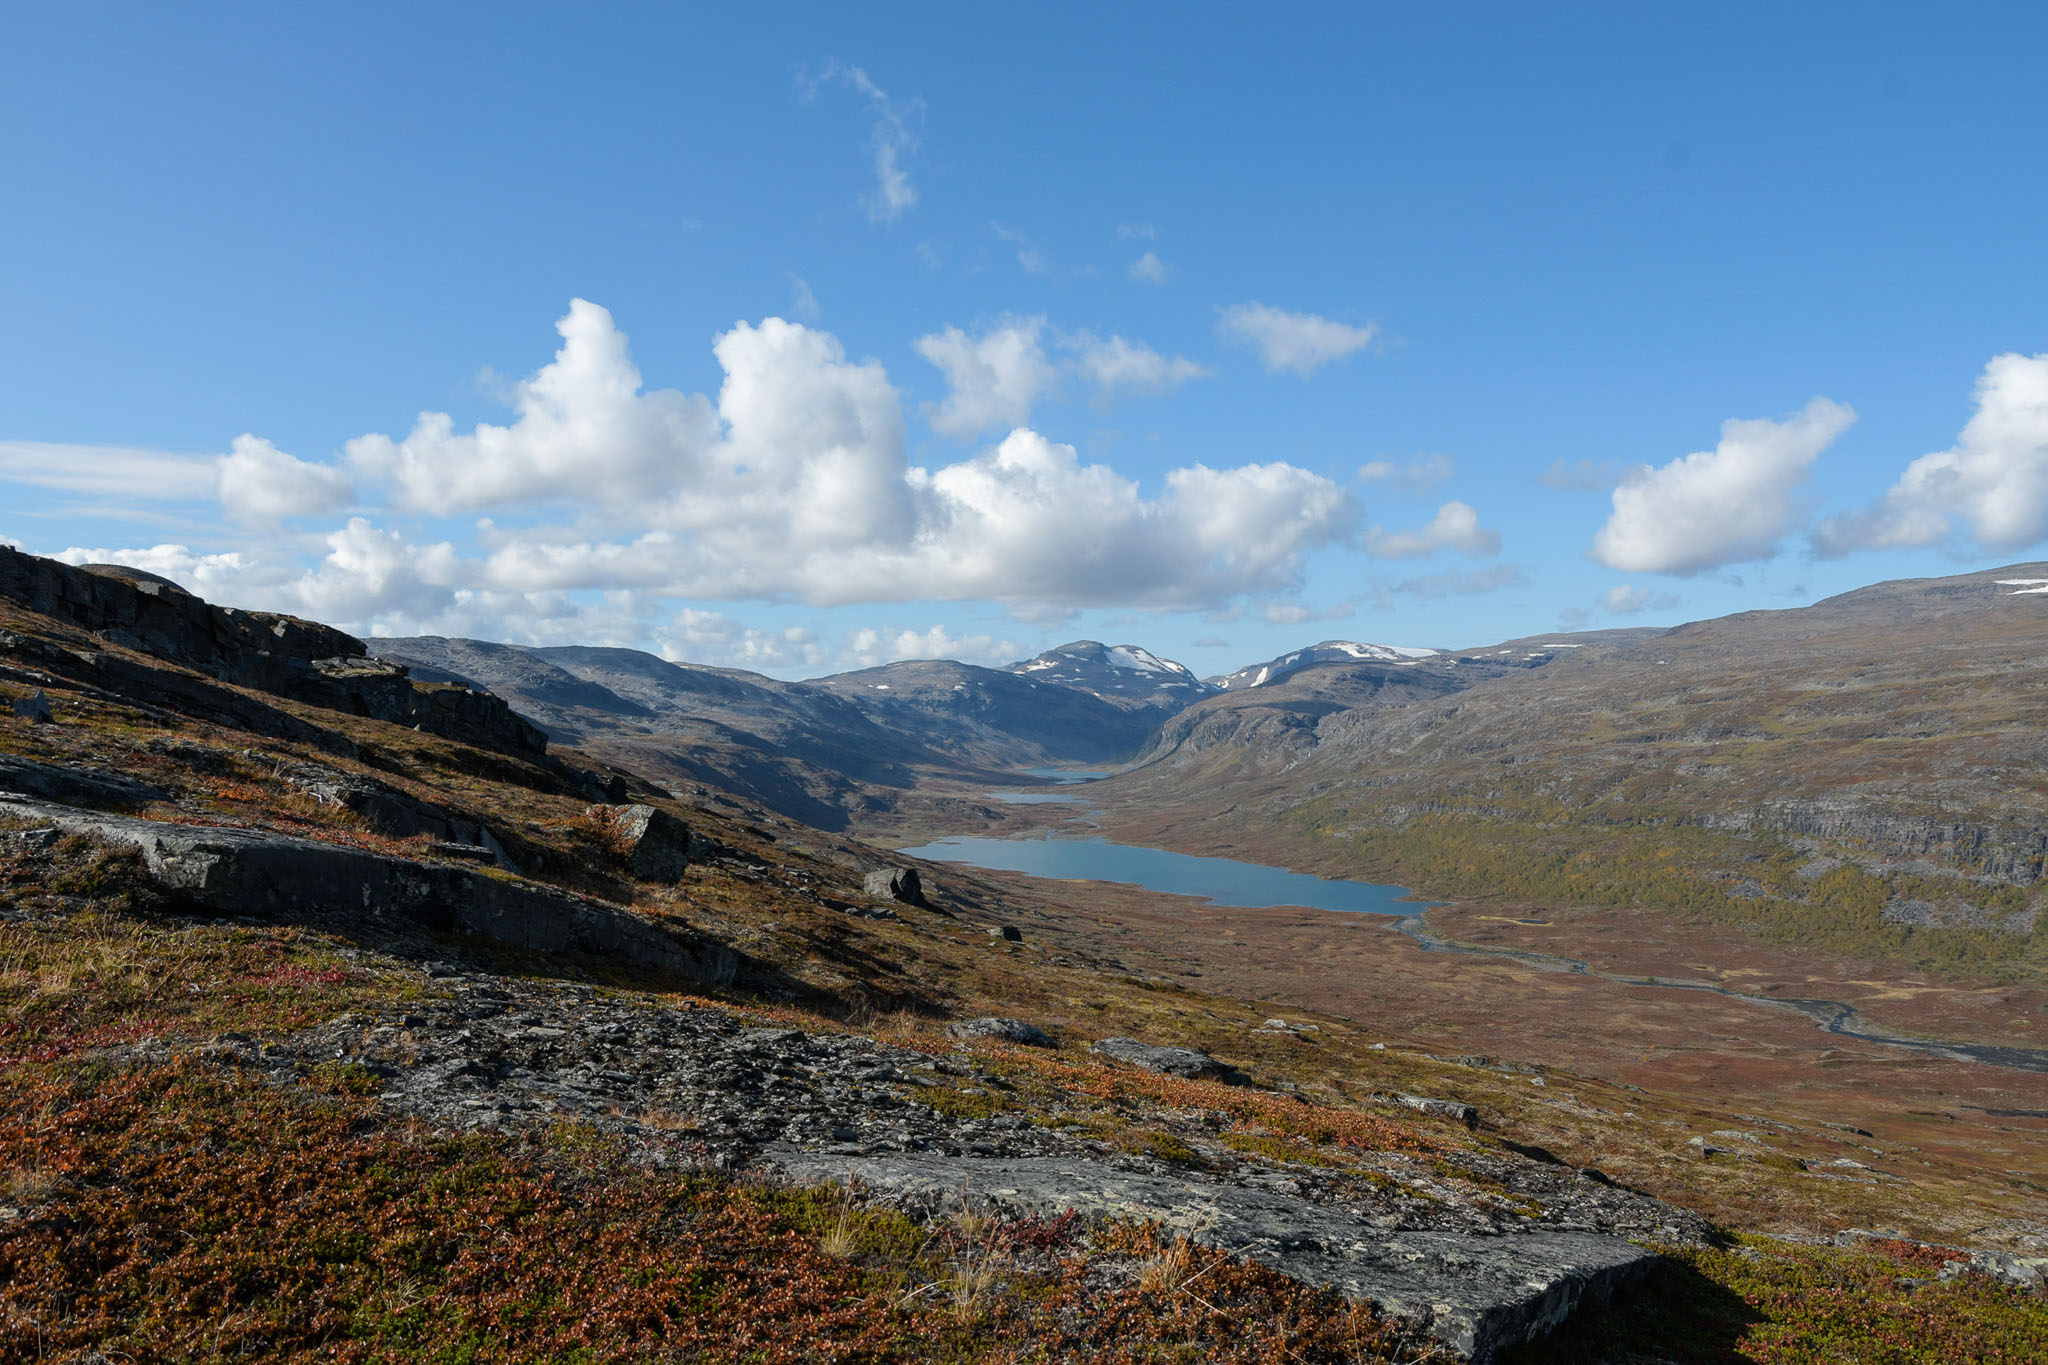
point(165, 1195)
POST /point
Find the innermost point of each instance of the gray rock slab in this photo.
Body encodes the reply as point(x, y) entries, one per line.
point(1170, 1061)
point(1477, 1294)
point(1007, 1030)
point(253, 872)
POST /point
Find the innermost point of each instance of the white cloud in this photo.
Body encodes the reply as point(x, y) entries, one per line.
point(870, 648)
point(1455, 526)
point(1030, 259)
point(109, 470)
point(260, 483)
point(890, 140)
point(1148, 269)
point(1627, 599)
point(1418, 475)
point(992, 380)
point(795, 485)
point(1143, 232)
point(584, 433)
point(802, 301)
point(711, 637)
point(1994, 479)
point(1720, 506)
point(224, 578)
point(1117, 365)
point(1302, 342)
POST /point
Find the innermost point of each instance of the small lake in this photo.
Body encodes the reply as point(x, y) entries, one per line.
point(1223, 881)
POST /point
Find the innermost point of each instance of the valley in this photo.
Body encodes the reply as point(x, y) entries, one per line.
point(607, 923)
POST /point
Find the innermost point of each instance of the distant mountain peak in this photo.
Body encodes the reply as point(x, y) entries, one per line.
point(1323, 652)
point(1126, 674)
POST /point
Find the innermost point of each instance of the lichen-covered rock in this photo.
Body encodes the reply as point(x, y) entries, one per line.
point(1170, 1061)
point(1007, 1030)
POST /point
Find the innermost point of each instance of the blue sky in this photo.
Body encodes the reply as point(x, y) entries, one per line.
point(899, 330)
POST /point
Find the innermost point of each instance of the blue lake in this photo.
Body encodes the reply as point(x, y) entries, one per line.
point(1223, 881)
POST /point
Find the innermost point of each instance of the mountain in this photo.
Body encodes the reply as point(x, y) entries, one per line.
point(820, 750)
point(1125, 675)
point(1860, 766)
point(995, 719)
point(1327, 652)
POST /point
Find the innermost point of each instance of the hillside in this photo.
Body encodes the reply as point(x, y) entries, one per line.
point(553, 1062)
point(1849, 772)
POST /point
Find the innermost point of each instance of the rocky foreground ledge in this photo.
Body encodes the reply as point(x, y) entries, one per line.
point(255, 872)
point(1483, 1266)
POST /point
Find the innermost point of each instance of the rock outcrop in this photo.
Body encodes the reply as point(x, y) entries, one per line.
point(1005, 1030)
point(1184, 1062)
point(1481, 1275)
point(252, 872)
point(264, 651)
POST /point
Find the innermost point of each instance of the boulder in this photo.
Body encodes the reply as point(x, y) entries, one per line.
point(1005, 1030)
point(34, 707)
point(658, 844)
point(1444, 1109)
point(1170, 1061)
point(896, 884)
point(253, 872)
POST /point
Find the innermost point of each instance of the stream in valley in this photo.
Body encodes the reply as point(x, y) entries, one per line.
point(1230, 881)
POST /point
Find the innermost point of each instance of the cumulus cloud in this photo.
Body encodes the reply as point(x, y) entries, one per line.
point(1721, 506)
point(1302, 342)
point(610, 503)
point(585, 432)
point(228, 578)
point(1418, 475)
point(260, 483)
point(1627, 599)
point(871, 647)
point(1454, 527)
point(1119, 366)
point(1994, 479)
point(712, 637)
point(992, 379)
point(796, 484)
point(1148, 269)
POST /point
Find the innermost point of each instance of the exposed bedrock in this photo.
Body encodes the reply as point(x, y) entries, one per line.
point(1478, 1295)
point(252, 872)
